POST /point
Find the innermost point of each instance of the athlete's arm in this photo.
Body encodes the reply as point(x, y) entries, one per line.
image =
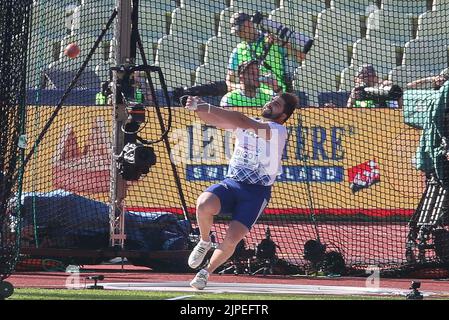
point(227, 119)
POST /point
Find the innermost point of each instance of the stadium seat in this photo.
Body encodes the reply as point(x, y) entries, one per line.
point(210, 5)
point(149, 47)
point(175, 75)
point(91, 19)
point(433, 24)
point(179, 51)
point(216, 56)
point(296, 20)
point(206, 73)
point(102, 70)
point(313, 81)
point(100, 3)
point(260, 5)
point(327, 56)
point(153, 23)
point(52, 21)
point(414, 8)
point(314, 6)
point(440, 5)
point(337, 26)
point(359, 6)
point(41, 53)
point(394, 26)
point(401, 75)
point(380, 53)
point(218, 49)
point(192, 23)
point(426, 52)
point(167, 5)
point(347, 78)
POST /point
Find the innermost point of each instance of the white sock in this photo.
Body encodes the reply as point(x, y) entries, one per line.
point(204, 243)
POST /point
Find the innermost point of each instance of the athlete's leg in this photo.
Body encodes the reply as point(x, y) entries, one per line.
point(235, 233)
point(207, 206)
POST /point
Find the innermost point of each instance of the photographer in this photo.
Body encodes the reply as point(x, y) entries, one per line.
point(257, 45)
point(371, 92)
point(250, 93)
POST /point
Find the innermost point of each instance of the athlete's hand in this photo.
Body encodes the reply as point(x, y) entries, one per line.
point(193, 103)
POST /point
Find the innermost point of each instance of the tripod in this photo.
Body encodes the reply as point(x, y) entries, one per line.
point(266, 253)
point(427, 218)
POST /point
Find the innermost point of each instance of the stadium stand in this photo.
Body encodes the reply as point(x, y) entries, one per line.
point(262, 5)
point(212, 5)
point(314, 6)
point(216, 56)
point(89, 19)
point(394, 26)
point(337, 26)
point(167, 5)
point(175, 75)
point(413, 8)
point(358, 6)
point(178, 51)
point(296, 20)
point(427, 23)
point(425, 52)
point(380, 53)
point(193, 24)
point(401, 75)
point(325, 59)
point(440, 5)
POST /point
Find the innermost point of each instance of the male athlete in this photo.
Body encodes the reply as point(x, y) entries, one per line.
point(253, 168)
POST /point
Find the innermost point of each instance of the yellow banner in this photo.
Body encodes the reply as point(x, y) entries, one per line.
point(351, 160)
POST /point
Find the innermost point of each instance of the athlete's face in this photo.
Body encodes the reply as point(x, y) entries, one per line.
point(274, 109)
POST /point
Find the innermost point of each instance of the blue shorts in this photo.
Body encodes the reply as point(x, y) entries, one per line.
point(245, 202)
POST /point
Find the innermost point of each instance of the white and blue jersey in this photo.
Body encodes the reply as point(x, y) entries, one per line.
point(253, 168)
point(256, 160)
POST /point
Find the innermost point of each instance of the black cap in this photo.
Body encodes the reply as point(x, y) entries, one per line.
point(237, 20)
point(366, 70)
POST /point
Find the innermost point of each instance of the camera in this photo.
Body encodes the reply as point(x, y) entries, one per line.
point(213, 89)
point(380, 95)
point(135, 160)
point(298, 40)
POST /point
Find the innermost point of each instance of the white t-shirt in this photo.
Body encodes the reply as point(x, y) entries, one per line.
point(256, 160)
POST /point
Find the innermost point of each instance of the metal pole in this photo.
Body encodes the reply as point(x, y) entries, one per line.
point(117, 184)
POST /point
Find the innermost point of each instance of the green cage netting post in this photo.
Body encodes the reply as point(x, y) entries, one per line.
point(14, 33)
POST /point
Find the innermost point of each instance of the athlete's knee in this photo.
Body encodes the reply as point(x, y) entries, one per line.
point(207, 203)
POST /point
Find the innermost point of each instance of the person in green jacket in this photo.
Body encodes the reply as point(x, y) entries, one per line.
point(432, 156)
point(250, 92)
point(253, 46)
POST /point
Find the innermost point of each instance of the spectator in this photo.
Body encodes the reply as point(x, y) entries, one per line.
point(435, 82)
point(253, 46)
point(367, 78)
point(250, 94)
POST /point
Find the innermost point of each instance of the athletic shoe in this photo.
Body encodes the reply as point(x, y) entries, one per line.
point(200, 280)
point(198, 254)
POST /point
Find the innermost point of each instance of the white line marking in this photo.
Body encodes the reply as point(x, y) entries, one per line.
point(180, 298)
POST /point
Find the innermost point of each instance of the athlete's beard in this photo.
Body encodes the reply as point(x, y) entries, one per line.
point(268, 114)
